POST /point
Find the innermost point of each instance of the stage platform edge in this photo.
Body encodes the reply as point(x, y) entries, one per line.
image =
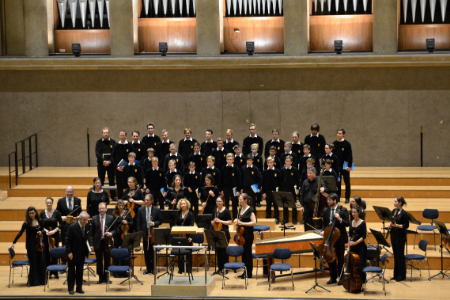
point(179, 285)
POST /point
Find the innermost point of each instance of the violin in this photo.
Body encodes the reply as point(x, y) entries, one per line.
point(40, 243)
point(218, 226)
point(240, 240)
point(318, 204)
point(51, 240)
point(351, 280)
point(124, 227)
point(69, 218)
point(108, 240)
point(150, 234)
point(327, 248)
point(131, 205)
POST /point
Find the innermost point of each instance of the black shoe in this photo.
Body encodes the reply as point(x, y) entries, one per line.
point(242, 276)
point(302, 222)
point(106, 281)
point(398, 279)
point(71, 293)
point(80, 291)
point(393, 278)
point(146, 272)
point(100, 282)
point(331, 281)
point(294, 221)
point(339, 282)
point(347, 201)
point(277, 221)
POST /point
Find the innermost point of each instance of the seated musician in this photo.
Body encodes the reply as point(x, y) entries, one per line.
point(176, 192)
point(148, 216)
point(222, 216)
point(329, 215)
point(185, 217)
point(124, 223)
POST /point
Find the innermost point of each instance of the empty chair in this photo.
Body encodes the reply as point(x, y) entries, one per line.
point(261, 228)
point(282, 254)
point(88, 262)
point(58, 254)
point(377, 271)
point(119, 254)
point(259, 257)
point(418, 258)
point(235, 251)
point(430, 214)
point(16, 264)
point(197, 238)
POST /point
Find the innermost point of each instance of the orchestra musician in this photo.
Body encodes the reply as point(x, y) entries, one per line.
point(123, 219)
point(148, 216)
point(185, 217)
point(77, 250)
point(357, 201)
point(208, 194)
point(95, 197)
point(222, 216)
point(329, 214)
point(247, 219)
point(398, 226)
point(51, 223)
point(177, 191)
point(133, 195)
point(359, 228)
point(33, 228)
point(100, 225)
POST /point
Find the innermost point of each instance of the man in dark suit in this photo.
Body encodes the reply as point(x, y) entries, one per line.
point(148, 216)
point(330, 214)
point(77, 249)
point(100, 225)
point(68, 205)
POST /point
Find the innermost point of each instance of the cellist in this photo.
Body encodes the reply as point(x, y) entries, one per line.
point(222, 217)
point(329, 214)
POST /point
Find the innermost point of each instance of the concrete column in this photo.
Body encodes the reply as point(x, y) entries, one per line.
point(296, 27)
point(208, 27)
point(14, 28)
point(385, 26)
point(36, 27)
point(122, 35)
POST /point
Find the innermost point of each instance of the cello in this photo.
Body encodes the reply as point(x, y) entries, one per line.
point(351, 280)
point(240, 240)
point(318, 205)
point(327, 248)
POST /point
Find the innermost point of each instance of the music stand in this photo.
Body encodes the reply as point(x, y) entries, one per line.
point(131, 241)
point(204, 221)
point(162, 237)
point(444, 234)
point(219, 240)
point(414, 221)
point(169, 216)
point(284, 200)
point(330, 182)
point(317, 256)
point(380, 241)
point(384, 214)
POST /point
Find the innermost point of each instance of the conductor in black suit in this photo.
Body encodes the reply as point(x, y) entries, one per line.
point(77, 249)
point(68, 205)
point(329, 215)
point(100, 225)
point(148, 216)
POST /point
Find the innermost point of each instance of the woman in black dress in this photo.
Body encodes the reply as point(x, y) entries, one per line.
point(133, 196)
point(208, 195)
point(95, 197)
point(51, 222)
point(33, 227)
point(357, 201)
point(185, 217)
point(124, 218)
point(222, 216)
point(359, 229)
point(247, 219)
point(176, 192)
point(398, 226)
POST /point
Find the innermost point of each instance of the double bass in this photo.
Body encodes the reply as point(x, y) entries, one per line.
point(332, 234)
point(351, 280)
point(318, 205)
point(240, 240)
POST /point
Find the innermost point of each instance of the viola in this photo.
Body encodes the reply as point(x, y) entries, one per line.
point(125, 227)
point(218, 226)
point(51, 241)
point(40, 243)
point(327, 248)
point(131, 205)
point(318, 204)
point(351, 280)
point(108, 240)
point(240, 240)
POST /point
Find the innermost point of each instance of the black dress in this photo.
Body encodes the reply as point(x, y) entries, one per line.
point(93, 200)
point(248, 236)
point(398, 241)
point(211, 204)
point(173, 194)
point(138, 195)
point(50, 223)
point(222, 256)
point(188, 220)
point(361, 248)
point(36, 259)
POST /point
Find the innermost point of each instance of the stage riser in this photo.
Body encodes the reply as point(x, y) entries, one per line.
point(55, 180)
point(17, 192)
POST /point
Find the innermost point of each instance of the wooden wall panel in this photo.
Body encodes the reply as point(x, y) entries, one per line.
point(414, 36)
point(266, 32)
point(356, 31)
point(179, 33)
point(92, 41)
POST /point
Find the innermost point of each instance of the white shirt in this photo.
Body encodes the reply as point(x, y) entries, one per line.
point(102, 220)
point(277, 141)
point(230, 141)
point(120, 142)
point(209, 142)
point(317, 135)
point(250, 166)
point(273, 169)
point(220, 149)
point(173, 171)
point(138, 142)
point(341, 140)
point(232, 166)
point(168, 142)
point(192, 173)
point(250, 136)
point(109, 139)
point(131, 164)
point(148, 212)
point(185, 139)
point(298, 143)
point(332, 210)
point(157, 168)
point(211, 168)
point(238, 155)
point(309, 155)
point(153, 135)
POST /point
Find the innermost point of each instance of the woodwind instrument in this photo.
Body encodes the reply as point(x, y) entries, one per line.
point(203, 210)
point(176, 199)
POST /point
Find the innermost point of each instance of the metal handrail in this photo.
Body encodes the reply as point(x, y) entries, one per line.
point(24, 157)
point(15, 168)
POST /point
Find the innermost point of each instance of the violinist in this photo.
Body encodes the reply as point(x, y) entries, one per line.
point(329, 215)
point(208, 195)
point(176, 192)
point(133, 198)
point(51, 222)
point(398, 226)
point(222, 217)
point(68, 206)
point(124, 226)
point(185, 217)
point(100, 225)
point(247, 219)
point(357, 201)
point(33, 228)
point(359, 228)
point(148, 216)
point(96, 196)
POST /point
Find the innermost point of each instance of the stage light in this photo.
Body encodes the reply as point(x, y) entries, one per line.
point(76, 50)
point(163, 48)
point(250, 48)
point(236, 30)
point(338, 46)
point(430, 45)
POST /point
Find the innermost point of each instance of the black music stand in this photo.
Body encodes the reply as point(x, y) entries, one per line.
point(317, 256)
point(384, 214)
point(169, 216)
point(162, 237)
point(131, 241)
point(380, 241)
point(443, 231)
point(219, 240)
point(204, 221)
point(408, 231)
point(284, 200)
point(330, 182)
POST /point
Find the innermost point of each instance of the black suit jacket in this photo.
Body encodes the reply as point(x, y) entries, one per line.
point(76, 243)
point(62, 207)
point(96, 234)
point(339, 225)
point(142, 220)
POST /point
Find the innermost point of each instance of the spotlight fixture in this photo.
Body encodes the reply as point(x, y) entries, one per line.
point(430, 45)
point(76, 50)
point(338, 46)
point(250, 46)
point(163, 48)
point(236, 30)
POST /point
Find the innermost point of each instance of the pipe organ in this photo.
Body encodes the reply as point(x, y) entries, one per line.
point(167, 8)
point(88, 11)
point(424, 11)
point(253, 8)
point(341, 7)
